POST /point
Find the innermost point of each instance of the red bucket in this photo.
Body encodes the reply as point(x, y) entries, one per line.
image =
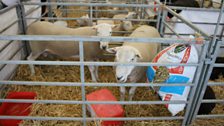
point(15, 109)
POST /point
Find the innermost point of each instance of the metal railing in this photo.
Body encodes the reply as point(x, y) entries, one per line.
point(197, 86)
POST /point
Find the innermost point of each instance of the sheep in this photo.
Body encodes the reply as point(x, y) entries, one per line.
point(216, 3)
point(111, 11)
point(84, 21)
point(105, 45)
point(100, 21)
point(135, 52)
point(61, 23)
point(92, 50)
point(125, 25)
point(130, 15)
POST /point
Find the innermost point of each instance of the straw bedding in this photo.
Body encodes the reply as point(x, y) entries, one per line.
point(71, 74)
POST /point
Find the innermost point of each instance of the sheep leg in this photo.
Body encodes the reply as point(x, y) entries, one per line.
point(32, 57)
point(122, 91)
point(92, 70)
point(96, 73)
point(131, 93)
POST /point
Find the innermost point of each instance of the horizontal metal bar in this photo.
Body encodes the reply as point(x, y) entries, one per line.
point(92, 4)
point(187, 34)
point(91, 119)
point(213, 101)
point(71, 18)
point(205, 23)
point(91, 102)
point(87, 10)
point(211, 116)
point(218, 65)
point(95, 84)
point(111, 39)
point(77, 63)
point(216, 83)
point(194, 9)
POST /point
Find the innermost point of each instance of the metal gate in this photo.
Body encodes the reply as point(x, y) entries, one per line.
point(208, 54)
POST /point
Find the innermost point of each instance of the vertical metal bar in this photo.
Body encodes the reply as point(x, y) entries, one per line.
point(50, 12)
point(65, 10)
point(82, 78)
point(96, 12)
point(208, 72)
point(216, 29)
point(158, 17)
point(193, 90)
point(221, 33)
point(91, 14)
point(162, 24)
point(22, 25)
point(142, 10)
point(202, 3)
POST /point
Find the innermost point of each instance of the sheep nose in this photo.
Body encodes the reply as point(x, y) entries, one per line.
point(104, 47)
point(119, 78)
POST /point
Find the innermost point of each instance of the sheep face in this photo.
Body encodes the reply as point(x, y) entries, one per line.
point(125, 54)
point(84, 20)
point(127, 25)
point(104, 30)
point(131, 15)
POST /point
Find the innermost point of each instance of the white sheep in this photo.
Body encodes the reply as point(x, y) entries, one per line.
point(130, 15)
point(102, 20)
point(131, 52)
point(105, 45)
point(84, 21)
point(124, 25)
point(65, 49)
point(120, 26)
point(61, 23)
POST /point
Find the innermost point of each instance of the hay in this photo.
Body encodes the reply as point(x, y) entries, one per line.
point(71, 74)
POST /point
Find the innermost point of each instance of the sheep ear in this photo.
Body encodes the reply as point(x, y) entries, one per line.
point(139, 56)
point(112, 50)
point(95, 27)
point(113, 26)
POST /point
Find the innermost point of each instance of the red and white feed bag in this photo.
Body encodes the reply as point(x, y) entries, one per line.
point(176, 53)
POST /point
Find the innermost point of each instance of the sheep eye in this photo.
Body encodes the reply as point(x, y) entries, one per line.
point(132, 59)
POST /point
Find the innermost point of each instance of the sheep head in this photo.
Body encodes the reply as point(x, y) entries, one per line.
point(104, 30)
point(125, 54)
point(127, 25)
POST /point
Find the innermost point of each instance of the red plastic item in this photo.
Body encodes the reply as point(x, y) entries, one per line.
point(106, 110)
point(15, 109)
